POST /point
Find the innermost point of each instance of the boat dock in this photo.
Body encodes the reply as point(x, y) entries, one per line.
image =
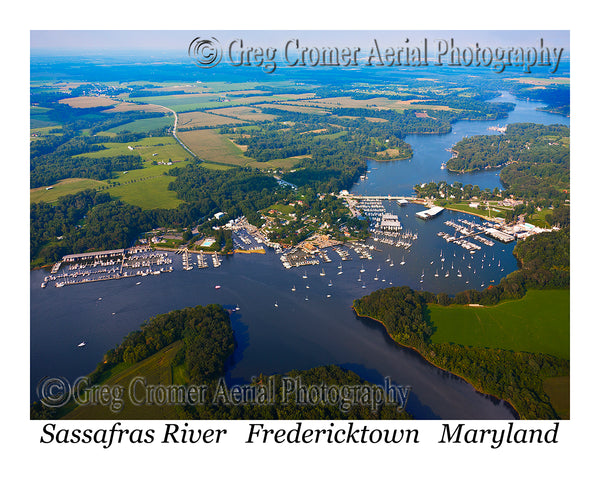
point(432, 212)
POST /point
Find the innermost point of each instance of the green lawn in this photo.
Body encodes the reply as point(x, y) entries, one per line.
point(538, 322)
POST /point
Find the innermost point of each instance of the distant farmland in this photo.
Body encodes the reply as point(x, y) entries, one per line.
point(88, 102)
point(205, 119)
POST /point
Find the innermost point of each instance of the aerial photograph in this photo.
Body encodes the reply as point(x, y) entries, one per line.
point(288, 225)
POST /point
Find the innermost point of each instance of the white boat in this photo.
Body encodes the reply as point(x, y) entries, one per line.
point(447, 273)
point(379, 268)
point(322, 272)
point(329, 295)
point(362, 269)
point(276, 303)
point(402, 262)
point(436, 274)
point(340, 272)
point(294, 288)
point(307, 286)
point(217, 287)
point(359, 279)
point(138, 283)
point(305, 275)
point(392, 263)
point(82, 344)
point(330, 284)
point(459, 274)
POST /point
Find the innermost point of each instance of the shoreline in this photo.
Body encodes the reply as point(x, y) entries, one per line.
point(435, 365)
point(485, 217)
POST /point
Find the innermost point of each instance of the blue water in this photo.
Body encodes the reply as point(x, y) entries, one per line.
point(299, 333)
point(430, 151)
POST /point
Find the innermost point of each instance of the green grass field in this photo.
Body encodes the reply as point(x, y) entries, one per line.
point(538, 322)
point(156, 369)
point(144, 125)
point(558, 389)
point(64, 187)
point(147, 193)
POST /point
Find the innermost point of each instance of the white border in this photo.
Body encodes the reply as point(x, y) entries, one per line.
point(156, 461)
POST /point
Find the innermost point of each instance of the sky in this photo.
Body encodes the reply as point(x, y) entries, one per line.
point(104, 41)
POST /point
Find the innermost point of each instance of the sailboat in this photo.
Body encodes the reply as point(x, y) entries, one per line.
point(388, 259)
point(379, 268)
point(362, 269)
point(294, 288)
point(322, 272)
point(392, 263)
point(276, 303)
point(363, 286)
point(340, 265)
point(359, 279)
point(82, 344)
point(340, 272)
point(459, 274)
point(376, 277)
point(307, 286)
point(402, 262)
point(330, 284)
point(436, 274)
point(447, 273)
point(305, 275)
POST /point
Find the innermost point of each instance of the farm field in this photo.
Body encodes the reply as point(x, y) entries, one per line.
point(148, 192)
point(130, 107)
point(558, 389)
point(193, 102)
point(538, 323)
point(144, 125)
point(251, 114)
point(156, 369)
point(64, 187)
point(88, 102)
point(204, 119)
point(210, 146)
point(376, 103)
point(150, 148)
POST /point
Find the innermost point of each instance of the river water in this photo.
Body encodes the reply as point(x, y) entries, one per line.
point(307, 328)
